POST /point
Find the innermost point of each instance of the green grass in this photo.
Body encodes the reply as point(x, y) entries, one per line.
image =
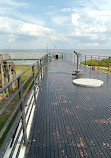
point(102, 62)
point(105, 70)
point(8, 128)
point(22, 68)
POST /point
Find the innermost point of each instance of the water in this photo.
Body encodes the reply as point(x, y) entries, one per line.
point(24, 54)
point(38, 53)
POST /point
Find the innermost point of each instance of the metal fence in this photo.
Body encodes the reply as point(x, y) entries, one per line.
point(96, 62)
point(102, 63)
point(16, 108)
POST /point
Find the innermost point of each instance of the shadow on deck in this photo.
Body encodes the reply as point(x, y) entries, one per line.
point(71, 121)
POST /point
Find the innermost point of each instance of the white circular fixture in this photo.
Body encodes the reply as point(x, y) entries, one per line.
point(88, 82)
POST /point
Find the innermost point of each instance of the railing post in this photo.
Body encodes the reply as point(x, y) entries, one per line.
point(95, 62)
point(91, 62)
point(74, 58)
point(33, 71)
point(85, 59)
point(40, 68)
point(98, 62)
point(80, 59)
point(109, 64)
point(47, 57)
point(22, 110)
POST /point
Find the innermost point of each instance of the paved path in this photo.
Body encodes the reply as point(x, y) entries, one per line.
point(71, 121)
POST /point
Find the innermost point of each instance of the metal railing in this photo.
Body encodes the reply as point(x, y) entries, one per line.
point(15, 109)
point(96, 62)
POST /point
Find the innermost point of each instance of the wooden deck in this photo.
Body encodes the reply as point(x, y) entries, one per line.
point(71, 121)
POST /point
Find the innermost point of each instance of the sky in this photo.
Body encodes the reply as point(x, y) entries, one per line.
point(65, 24)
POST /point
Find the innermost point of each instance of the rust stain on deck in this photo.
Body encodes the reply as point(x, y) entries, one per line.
point(103, 121)
point(67, 111)
point(77, 107)
point(81, 143)
point(56, 103)
point(88, 108)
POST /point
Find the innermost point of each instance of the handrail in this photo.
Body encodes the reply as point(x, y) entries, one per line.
point(15, 108)
point(9, 83)
point(96, 62)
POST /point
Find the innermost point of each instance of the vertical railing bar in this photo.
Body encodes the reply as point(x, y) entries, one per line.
point(85, 59)
point(98, 62)
point(109, 64)
point(30, 111)
point(23, 111)
point(33, 70)
point(91, 62)
point(17, 155)
point(74, 58)
point(41, 67)
point(15, 143)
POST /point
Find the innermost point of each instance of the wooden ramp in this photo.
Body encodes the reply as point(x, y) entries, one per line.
point(71, 121)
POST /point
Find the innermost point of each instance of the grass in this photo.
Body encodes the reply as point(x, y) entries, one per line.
point(8, 111)
point(105, 70)
point(22, 68)
point(8, 128)
point(101, 65)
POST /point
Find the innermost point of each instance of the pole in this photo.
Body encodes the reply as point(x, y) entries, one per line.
point(23, 111)
point(33, 71)
point(98, 62)
point(78, 62)
point(91, 62)
point(109, 64)
point(85, 59)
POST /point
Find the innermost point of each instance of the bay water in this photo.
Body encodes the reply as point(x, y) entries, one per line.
point(38, 53)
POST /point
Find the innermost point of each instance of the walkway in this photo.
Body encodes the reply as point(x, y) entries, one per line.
point(71, 121)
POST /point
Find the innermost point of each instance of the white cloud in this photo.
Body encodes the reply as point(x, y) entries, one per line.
point(12, 38)
point(59, 37)
point(99, 13)
point(32, 19)
point(92, 25)
point(59, 20)
point(17, 27)
point(51, 6)
point(13, 3)
point(66, 9)
point(91, 44)
point(74, 18)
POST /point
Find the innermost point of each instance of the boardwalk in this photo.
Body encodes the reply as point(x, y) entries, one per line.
point(71, 121)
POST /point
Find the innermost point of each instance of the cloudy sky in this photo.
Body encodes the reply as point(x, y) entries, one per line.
point(64, 23)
